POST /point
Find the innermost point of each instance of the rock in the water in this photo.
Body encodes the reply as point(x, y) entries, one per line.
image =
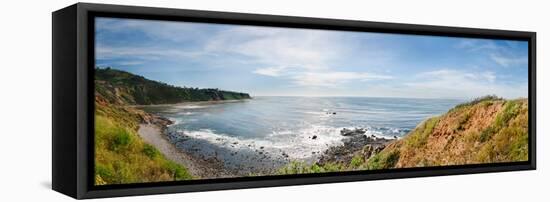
point(285, 155)
point(349, 132)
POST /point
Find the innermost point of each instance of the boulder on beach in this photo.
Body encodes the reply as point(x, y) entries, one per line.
point(371, 150)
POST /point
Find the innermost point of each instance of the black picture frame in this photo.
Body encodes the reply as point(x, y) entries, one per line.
point(73, 106)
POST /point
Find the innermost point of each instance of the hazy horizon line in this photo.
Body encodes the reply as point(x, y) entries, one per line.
point(395, 97)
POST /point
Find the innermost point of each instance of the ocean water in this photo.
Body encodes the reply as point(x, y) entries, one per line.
point(264, 133)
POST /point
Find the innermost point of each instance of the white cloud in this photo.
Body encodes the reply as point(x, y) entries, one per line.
point(478, 45)
point(166, 30)
point(130, 63)
point(332, 79)
point(508, 61)
point(500, 54)
point(459, 84)
point(304, 58)
point(451, 75)
point(489, 76)
point(279, 47)
point(141, 54)
point(269, 71)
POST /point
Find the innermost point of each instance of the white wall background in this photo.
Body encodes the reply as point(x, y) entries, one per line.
point(25, 99)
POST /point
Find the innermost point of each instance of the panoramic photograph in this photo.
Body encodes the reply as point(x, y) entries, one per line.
point(178, 101)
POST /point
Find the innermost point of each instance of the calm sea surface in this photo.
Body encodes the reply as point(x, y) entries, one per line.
point(266, 132)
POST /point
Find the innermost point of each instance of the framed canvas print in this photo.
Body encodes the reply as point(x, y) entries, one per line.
point(154, 100)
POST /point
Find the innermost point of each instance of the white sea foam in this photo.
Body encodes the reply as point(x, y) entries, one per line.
point(174, 121)
point(283, 133)
point(296, 144)
point(190, 106)
point(225, 140)
point(183, 108)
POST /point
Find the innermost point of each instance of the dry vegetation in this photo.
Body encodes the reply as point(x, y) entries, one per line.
point(485, 131)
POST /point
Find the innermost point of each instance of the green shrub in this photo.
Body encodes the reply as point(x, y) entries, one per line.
point(178, 172)
point(150, 151)
point(357, 161)
point(486, 134)
point(296, 167)
point(519, 149)
point(105, 172)
point(462, 121)
point(383, 160)
point(511, 110)
point(419, 137)
point(121, 139)
point(507, 138)
point(478, 100)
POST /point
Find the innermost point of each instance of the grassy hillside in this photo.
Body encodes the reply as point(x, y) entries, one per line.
point(486, 130)
point(121, 156)
point(483, 131)
point(126, 88)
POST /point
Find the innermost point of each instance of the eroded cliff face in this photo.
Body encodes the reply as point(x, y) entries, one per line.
point(484, 131)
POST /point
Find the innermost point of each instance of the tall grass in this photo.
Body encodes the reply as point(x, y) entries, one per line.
point(122, 157)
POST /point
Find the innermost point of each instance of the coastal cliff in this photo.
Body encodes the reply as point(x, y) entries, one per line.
point(486, 130)
point(124, 88)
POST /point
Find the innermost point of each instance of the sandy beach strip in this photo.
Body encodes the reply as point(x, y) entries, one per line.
point(199, 168)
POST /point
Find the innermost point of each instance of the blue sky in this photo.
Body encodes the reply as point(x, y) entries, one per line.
point(305, 62)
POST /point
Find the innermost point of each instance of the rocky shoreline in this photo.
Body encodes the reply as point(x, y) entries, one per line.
point(236, 157)
point(154, 131)
point(355, 143)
